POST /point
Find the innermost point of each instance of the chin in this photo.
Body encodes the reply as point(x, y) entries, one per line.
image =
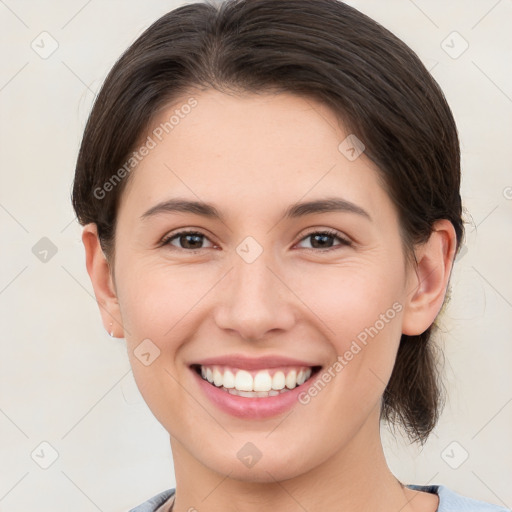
point(266, 470)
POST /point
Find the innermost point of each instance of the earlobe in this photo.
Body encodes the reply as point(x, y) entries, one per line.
point(102, 281)
point(428, 282)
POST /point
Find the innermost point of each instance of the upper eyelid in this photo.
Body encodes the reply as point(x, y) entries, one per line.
point(329, 231)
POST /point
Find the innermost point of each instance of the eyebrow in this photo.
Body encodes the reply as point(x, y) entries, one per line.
point(330, 204)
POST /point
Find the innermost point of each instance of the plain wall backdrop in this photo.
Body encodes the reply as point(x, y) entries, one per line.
point(75, 433)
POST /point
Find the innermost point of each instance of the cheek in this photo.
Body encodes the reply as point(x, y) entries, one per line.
point(359, 310)
point(155, 298)
point(350, 299)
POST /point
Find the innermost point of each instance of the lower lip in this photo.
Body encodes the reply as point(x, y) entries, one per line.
point(251, 408)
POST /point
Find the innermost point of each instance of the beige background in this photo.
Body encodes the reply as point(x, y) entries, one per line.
point(63, 381)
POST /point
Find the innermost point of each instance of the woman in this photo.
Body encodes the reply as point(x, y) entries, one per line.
point(271, 209)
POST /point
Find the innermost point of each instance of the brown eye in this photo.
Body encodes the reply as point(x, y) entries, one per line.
point(187, 240)
point(322, 240)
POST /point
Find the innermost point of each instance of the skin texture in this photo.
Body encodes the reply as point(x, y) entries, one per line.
point(252, 156)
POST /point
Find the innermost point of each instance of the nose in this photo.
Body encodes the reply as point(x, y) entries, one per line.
point(254, 300)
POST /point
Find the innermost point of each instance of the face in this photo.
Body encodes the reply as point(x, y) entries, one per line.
point(257, 290)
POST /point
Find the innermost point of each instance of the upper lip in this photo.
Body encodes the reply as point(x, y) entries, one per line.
point(253, 363)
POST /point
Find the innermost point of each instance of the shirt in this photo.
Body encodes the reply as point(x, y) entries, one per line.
point(449, 501)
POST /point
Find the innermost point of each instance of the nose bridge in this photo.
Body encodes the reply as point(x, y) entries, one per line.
point(254, 299)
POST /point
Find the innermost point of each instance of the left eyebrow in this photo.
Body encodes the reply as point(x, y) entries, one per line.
point(330, 204)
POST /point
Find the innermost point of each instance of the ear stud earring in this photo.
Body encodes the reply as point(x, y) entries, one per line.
point(111, 330)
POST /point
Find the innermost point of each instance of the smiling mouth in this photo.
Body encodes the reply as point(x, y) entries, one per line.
point(256, 383)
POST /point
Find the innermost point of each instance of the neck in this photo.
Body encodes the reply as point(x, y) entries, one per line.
point(354, 478)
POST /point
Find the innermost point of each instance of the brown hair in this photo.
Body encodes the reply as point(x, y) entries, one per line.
point(322, 49)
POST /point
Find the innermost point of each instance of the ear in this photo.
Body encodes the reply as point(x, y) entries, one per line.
point(99, 271)
point(427, 283)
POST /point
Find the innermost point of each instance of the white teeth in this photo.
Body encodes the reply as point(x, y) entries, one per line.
point(278, 381)
point(291, 379)
point(217, 377)
point(228, 379)
point(262, 381)
point(253, 394)
point(242, 383)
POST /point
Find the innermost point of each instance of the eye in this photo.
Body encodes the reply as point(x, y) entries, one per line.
point(190, 240)
point(321, 240)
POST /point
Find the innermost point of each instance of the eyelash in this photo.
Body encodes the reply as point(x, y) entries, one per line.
point(328, 232)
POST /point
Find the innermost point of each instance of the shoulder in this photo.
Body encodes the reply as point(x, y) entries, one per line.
point(153, 503)
point(450, 501)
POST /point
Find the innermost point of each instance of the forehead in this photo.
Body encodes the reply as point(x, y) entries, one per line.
point(252, 148)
